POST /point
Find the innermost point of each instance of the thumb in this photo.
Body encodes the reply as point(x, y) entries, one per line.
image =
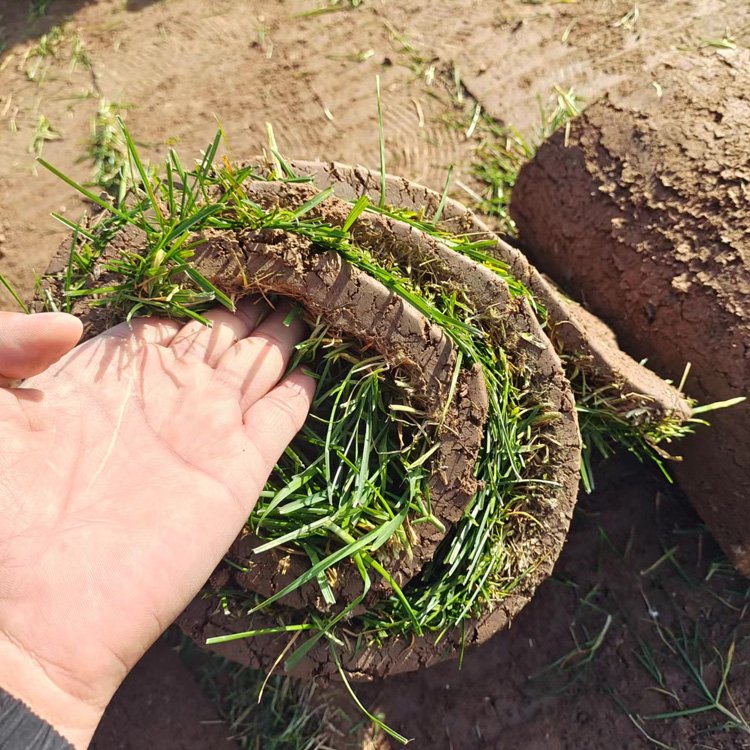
point(29, 344)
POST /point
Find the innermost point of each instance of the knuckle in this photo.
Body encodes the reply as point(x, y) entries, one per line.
point(289, 413)
point(273, 339)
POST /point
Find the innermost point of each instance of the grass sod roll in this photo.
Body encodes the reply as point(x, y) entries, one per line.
point(528, 454)
point(431, 488)
point(658, 177)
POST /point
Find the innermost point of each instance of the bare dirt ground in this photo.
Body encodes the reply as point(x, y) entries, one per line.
point(160, 705)
point(643, 616)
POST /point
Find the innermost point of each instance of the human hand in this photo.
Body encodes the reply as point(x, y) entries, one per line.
point(126, 471)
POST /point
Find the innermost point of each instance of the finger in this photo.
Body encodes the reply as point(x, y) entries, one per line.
point(198, 342)
point(29, 344)
point(275, 419)
point(255, 364)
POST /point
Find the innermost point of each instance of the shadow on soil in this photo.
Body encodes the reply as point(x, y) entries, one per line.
point(136, 5)
point(23, 20)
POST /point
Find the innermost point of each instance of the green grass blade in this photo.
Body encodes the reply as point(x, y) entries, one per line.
point(286, 168)
point(207, 286)
point(375, 538)
point(145, 179)
point(314, 201)
point(292, 535)
point(14, 294)
point(374, 719)
point(381, 141)
point(443, 197)
point(357, 209)
point(74, 226)
point(274, 149)
point(253, 633)
point(719, 405)
point(86, 193)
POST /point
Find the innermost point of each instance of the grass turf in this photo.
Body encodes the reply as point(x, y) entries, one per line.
point(383, 494)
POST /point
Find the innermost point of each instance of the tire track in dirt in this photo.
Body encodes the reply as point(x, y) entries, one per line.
point(511, 55)
point(313, 78)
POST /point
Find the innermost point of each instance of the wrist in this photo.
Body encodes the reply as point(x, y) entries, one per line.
point(29, 681)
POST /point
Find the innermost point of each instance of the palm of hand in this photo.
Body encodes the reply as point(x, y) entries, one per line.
point(128, 468)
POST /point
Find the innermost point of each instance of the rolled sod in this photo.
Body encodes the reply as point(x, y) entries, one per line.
point(431, 489)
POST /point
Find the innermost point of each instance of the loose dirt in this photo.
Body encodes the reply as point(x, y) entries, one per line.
point(161, 706)
point(546, 684)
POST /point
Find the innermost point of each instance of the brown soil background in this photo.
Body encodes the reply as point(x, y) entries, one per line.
point(179, 62)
